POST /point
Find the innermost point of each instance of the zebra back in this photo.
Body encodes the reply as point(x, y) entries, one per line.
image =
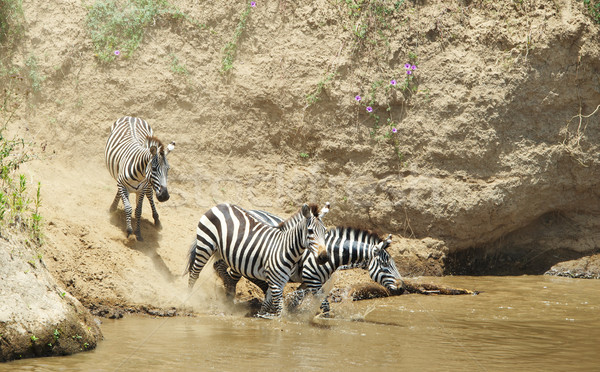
point(135, 158)
point(126, 149)
point(255, 249)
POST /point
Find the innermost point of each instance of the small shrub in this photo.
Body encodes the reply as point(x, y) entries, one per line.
point(15, 203)
point(370, 18)
point(406, 85)
point(315, 96)
point(117, 27)
point(593, 8)
point(11, 20)
point(230, 48)
point(176, 67)
point(35, 78)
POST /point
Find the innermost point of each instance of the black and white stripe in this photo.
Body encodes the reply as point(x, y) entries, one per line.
point(138, 162)
point(257, 250)
point(347, 248)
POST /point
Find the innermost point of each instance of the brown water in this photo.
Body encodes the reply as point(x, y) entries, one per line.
point(528, 323)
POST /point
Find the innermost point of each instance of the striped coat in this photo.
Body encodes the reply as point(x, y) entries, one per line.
point(258, 250)
point(347, 248)
point(138, 162)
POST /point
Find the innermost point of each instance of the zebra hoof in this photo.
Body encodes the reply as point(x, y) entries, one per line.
point(266, 316)
point(157, 224)
point(139, 238)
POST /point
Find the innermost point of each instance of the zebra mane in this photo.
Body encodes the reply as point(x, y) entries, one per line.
point(314, 209)
point(153, 141)
point(346, 231)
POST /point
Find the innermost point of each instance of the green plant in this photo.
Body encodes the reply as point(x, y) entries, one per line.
point(15, 203)
point(315, 95)
point(304, 155)
point(117, 27)
point(11, 20)
point(370, 20)
point(34, 75)
point(56, 334)
point(593, 8)
point(230, 48)
point(176, 67)
point(36, 218)
point(33, 338)
point(407, 86)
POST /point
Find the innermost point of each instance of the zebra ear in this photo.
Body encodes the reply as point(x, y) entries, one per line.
point(153, 150)
point(170, 147)
point(325, 210)
point(388, 242)
point(306, 211)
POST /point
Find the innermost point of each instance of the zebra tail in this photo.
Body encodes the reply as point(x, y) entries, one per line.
point(191, 259)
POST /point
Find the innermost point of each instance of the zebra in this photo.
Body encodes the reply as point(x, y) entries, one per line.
point(138, 162)
point(347, 248)
point(258, 250)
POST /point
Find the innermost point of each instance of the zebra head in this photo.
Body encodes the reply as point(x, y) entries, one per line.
point(315, 231)
point(382, 267)
point(160, 170)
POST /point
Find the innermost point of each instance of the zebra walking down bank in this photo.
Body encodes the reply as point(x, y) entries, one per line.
point(347, 248)
point(258, 250)
point(138, 162)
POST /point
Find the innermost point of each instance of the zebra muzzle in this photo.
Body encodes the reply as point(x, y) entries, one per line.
point(322, 257)
point(163, 195)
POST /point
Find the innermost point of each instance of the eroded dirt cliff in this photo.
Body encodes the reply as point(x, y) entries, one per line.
point(489, 146)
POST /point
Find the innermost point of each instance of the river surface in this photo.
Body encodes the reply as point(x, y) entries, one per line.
point(525, 323)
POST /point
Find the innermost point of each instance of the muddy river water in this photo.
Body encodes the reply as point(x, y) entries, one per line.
point(526, 323)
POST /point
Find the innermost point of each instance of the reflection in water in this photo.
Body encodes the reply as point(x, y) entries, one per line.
point(517, 323)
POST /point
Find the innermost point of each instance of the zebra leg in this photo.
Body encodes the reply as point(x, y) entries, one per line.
point(317, 289)
point(325, 307)
point(229, 280)
point(199, 255)
point(273, 303)
point(127, 205)
point(115, 203)
point(297, 297)
point(138, 215)
point(150, 194)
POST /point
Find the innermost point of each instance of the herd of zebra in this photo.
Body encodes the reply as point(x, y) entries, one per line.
point(266, 249)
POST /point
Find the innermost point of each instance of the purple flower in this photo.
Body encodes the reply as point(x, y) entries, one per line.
point(394, 130)
point(408, 72)
point(369, 109)
point(413, 67)
point(407, 66)
point(358, 98)
point(253, 4)
point(393, 82)
point(117, 52)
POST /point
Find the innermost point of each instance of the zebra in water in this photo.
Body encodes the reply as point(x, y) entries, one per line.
point(347, 248)
point(258, 250)
point(138, 162)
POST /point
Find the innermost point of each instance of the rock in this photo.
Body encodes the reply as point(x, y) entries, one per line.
point(584, 268)
point(37, 317)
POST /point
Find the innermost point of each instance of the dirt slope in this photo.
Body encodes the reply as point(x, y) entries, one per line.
point(491, 160)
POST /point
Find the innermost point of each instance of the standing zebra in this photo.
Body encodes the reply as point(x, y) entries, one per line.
point(138, 162)
point(347, 248)
point(258, 250)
